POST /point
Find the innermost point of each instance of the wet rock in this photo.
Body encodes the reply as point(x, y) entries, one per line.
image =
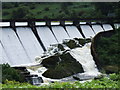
point(111, 68)
point(83, 41)
point(71, 43)
point(82, 77)
point(62, 66)
point(50, 62)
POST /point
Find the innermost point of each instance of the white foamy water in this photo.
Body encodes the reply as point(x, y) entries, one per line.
point(46, 36)
point(73, 32)
point(87, 31)
point(107, 27)
point(60, 33)
point(84, 57)
point(97, 28)
point(39, 71)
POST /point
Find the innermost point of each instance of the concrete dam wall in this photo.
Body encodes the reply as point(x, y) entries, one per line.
point(21, 42)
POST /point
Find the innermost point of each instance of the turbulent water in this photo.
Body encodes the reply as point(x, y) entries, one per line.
point(22, 49)
point(84, 57)
point(81, 54)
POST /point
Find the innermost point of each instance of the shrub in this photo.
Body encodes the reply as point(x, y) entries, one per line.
point(5, 13)
point(32, 6)
point(7, 5)
point(46, 9)
point(21, 12)
point(39, 12)
point(104, 82)
point(108, 52)
point(9, 73)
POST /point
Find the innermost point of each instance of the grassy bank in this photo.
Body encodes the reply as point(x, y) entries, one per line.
point(111, 82)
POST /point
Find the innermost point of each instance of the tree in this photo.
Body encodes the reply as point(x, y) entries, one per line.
point(9, 73)
point(104, 7)
point(21, 12)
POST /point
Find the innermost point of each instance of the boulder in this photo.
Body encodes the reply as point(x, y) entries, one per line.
point(61, 66)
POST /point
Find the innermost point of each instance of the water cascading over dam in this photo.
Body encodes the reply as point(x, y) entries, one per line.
point(29, 42)
point(20, 45)
point(73, 32)
point(60, 33)
point(87, 30)
point(46, 36)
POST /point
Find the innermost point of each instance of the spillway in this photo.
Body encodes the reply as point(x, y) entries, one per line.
point(13, 47)
point(21, 47)
point(87, 31)
point(97, 28)
point(29, 42)
point(107, 27)
point(46, 36)
point(3, 56)
point(60, 33)
point(73, 32)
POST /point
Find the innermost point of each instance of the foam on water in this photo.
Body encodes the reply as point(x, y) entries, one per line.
point(84, 57)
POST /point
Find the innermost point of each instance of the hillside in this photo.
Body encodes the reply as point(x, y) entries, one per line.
point(40, 10)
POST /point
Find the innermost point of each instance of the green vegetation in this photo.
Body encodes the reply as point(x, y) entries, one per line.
point(51, 10)
point(9, 73)
point(105, 82)
point(108, 50)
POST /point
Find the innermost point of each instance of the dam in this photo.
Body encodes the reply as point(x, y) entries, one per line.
point(22, 41)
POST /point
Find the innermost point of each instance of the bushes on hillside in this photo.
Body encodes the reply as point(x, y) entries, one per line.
point(108, 50)
point(20, 12)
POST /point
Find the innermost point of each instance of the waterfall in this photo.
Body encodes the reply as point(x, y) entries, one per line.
point(60, 33)
point(3, 56)
point(73, 32)
point(29, 42)
point(13, 47)
point(97, 28)
point(84, 57)
point(46, 36)
point(87, 31)
point(107, 27)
